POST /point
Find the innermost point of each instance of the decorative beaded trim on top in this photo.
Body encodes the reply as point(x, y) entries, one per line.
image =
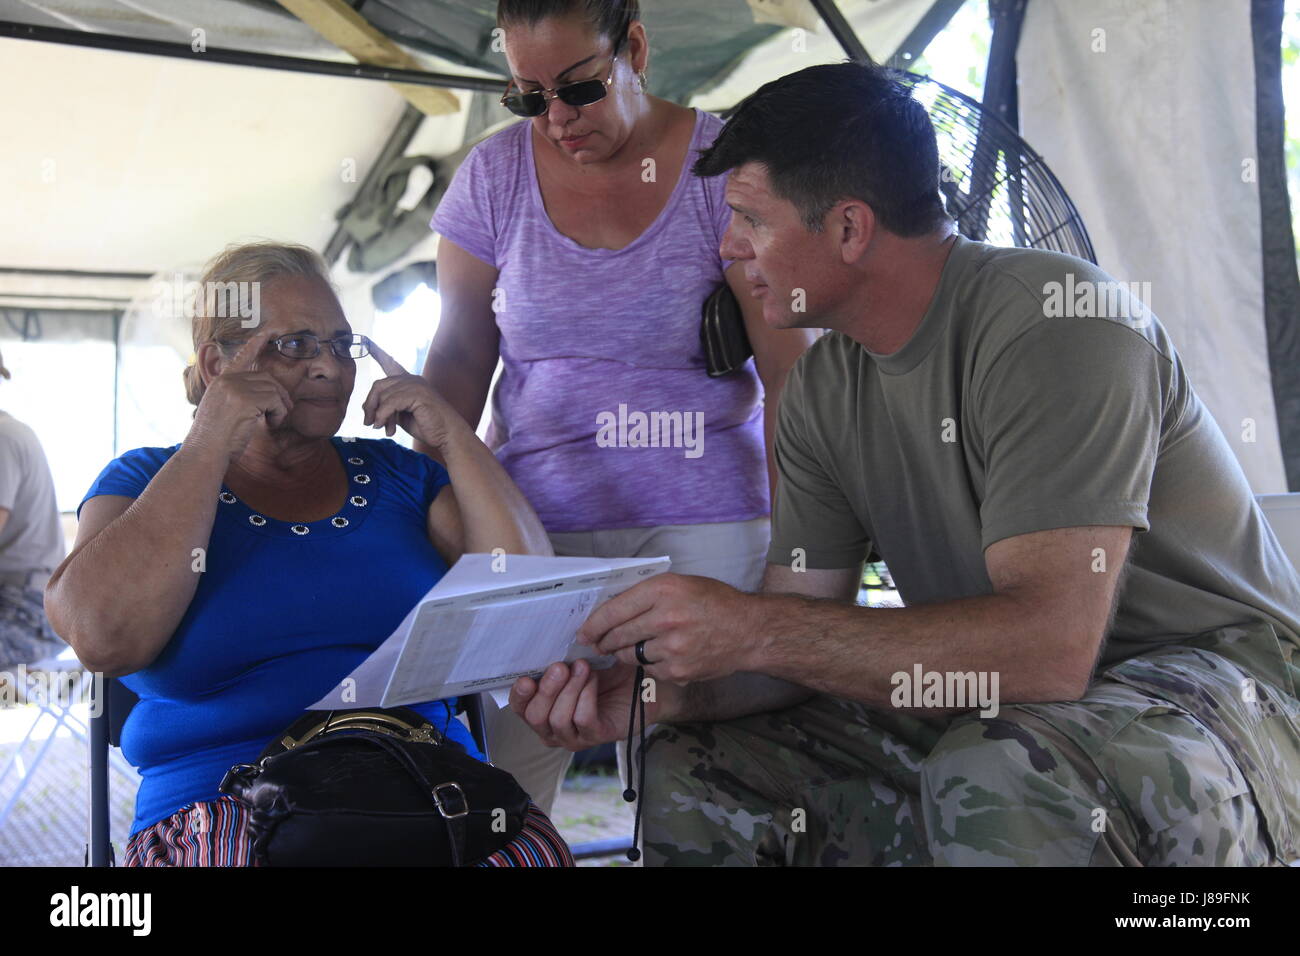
point(302, 530)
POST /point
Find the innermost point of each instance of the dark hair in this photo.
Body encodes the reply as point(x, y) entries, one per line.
point(609, 18)
point(833, 132)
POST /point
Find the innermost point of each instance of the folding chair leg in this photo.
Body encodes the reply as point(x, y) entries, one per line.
point(99, 837)
point(36, 762)
point(17, 759)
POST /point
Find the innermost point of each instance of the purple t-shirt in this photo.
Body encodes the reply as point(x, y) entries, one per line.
point(604, 414)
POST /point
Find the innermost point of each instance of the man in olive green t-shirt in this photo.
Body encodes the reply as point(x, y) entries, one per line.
point(1096, 663)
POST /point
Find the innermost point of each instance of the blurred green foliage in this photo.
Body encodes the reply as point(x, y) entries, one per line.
point(958, 56)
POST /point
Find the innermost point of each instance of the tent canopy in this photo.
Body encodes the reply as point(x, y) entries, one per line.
point(135, 163)
point(122, 165)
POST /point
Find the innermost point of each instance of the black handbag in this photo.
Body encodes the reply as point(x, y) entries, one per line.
point(722, 332)
point(374, 788)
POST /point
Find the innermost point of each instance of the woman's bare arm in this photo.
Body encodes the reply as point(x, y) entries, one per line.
point(464, 353)
point(775, 351)
point(483, 509)
point(119, 596)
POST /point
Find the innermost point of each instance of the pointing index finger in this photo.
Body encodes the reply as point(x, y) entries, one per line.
point(616, 611)
point(245, 359)
point(389, 364)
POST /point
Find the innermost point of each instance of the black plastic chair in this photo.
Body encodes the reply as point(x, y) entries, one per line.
point(113, 701)
point(106, 732)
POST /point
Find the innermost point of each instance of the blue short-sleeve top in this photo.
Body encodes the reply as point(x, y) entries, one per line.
point(282, 613)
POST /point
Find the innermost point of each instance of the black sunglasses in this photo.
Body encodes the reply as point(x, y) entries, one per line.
point(582, 93)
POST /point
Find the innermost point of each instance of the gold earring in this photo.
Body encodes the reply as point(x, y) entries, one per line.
point(641, 76)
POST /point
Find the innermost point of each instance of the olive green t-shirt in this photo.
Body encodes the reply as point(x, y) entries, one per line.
point(1015, 407)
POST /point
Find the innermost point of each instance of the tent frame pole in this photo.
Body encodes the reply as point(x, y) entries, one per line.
point(999, 101)
point(293, 64)
point(927, 28)
point(840, 29)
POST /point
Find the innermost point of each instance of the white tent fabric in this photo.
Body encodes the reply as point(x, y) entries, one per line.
point(1145, 112)
point(881, 25)
point(233, 25)
point(136, 163)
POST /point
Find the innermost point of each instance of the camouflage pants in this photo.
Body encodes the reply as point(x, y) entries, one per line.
point(25, 635)
point(1188, 754)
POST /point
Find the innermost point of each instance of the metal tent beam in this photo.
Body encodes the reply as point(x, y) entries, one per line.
point(840, 29)
point(356, 36)
point(927, 28)
point(1000, 101)
point(72, 273)
point(293, 64)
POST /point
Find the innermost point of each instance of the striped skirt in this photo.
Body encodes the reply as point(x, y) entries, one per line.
point(214, 833)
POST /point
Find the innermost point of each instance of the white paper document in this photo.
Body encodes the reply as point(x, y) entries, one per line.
point(489, 621)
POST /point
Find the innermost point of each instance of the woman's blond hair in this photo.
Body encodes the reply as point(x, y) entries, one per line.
point(251, 262)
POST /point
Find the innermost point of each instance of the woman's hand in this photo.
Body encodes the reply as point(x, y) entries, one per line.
point(409, 401)
point(238, 401)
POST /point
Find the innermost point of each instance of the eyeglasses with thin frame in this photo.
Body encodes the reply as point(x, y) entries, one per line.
point(304, 345)
point(582, 93)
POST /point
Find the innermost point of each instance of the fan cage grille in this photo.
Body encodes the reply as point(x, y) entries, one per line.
point(995, 186)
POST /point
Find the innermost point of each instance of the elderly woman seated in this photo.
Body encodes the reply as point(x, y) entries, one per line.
point(235, 578)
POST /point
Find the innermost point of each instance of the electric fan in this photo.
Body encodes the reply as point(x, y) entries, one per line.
point(995, 186)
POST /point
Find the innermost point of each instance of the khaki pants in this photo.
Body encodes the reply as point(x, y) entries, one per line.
point(733, 552)
point(25, 634)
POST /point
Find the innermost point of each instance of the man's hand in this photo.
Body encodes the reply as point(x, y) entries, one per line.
point(578, 708)
point(695, 628)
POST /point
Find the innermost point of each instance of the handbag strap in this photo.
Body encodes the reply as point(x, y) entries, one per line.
point(452, 818)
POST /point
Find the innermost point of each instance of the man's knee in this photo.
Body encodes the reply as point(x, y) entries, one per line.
point(731, 794)
point(1001, 792)
point(1121, 780)
point(700, 806)
point(1189, 800)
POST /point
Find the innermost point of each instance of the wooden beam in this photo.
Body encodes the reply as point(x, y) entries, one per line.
point(352, 33)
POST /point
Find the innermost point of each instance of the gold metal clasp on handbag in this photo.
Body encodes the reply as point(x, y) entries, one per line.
point(374, 721)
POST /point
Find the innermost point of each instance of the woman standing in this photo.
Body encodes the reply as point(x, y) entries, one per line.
point(579, 248)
